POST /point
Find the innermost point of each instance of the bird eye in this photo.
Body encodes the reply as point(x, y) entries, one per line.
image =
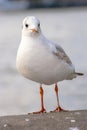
point(26, 25)
point(38, 24)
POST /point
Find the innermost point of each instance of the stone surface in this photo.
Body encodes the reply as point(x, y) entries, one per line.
point(72, 120)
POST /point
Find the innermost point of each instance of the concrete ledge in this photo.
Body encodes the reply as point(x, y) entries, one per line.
point(72, 120)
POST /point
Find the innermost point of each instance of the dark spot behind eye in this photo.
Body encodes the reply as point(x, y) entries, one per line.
point(26, 25)
point(38, 24)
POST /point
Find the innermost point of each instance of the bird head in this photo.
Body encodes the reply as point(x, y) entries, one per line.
point(31, 26)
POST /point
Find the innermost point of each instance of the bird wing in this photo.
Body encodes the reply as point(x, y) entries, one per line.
point(60, 53)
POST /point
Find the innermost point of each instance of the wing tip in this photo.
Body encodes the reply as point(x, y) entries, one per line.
point(79, 74)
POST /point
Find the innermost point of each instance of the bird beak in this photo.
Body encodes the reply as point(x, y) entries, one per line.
point(34, 30)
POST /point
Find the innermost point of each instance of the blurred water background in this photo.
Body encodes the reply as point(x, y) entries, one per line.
point(66, 26)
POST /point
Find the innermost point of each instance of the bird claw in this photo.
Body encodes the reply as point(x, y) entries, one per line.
point(59, 109)
point(39, 112)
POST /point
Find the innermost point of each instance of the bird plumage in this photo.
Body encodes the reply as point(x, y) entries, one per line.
point(42, 60)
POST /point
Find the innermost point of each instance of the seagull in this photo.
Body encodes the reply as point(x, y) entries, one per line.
point(42, 60)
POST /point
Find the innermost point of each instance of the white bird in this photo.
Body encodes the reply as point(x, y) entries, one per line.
point(41, 60)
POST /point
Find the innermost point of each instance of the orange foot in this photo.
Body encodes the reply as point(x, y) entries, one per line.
point(41, 111)
point(59, 109)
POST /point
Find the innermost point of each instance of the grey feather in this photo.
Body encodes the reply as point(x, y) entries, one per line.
point(60, 53)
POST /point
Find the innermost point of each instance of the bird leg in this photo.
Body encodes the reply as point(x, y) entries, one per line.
point(42, 102)
point(58, 108)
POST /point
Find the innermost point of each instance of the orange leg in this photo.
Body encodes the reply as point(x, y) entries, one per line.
point(42, 102)
point(58, 108)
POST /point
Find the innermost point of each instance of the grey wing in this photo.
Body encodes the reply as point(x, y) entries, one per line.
point(60, 53)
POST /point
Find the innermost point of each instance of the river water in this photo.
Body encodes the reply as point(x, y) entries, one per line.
point(68, 27)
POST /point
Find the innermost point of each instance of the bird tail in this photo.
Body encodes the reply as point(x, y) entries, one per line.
point(79, 74)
